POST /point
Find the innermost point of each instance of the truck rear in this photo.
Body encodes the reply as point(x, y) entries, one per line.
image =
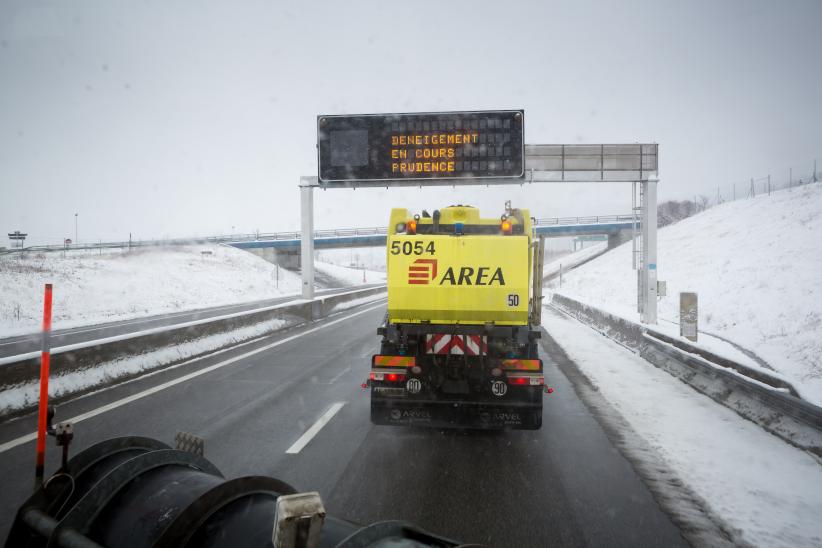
point(459, 342)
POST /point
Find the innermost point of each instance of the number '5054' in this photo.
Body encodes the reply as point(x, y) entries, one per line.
point(411, 248)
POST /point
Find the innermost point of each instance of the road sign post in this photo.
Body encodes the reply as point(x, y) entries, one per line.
point(18, 236)
point(689, 316)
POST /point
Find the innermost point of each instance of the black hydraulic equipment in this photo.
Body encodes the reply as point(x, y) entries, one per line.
point(136, 492)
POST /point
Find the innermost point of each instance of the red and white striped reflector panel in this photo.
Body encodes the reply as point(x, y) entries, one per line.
point(471, 345)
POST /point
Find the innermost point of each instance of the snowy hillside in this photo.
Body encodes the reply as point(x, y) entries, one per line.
point(91, 288)
point(756, 266)
point(372, 258)
point(553, 266)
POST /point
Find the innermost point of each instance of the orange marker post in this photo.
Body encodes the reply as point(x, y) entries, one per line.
point(45, 361)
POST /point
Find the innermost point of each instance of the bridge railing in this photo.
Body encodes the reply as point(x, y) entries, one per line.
point(274, 236)
point(591, 220)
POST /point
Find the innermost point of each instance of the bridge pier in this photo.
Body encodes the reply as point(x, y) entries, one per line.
point(286, 259)
point(618, 238)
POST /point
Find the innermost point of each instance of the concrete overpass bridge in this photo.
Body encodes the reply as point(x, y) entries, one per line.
point(284, 247)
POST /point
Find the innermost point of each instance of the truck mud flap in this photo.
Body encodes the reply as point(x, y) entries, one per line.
point(481, 416)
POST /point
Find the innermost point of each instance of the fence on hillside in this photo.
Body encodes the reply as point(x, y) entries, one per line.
point(755, 186)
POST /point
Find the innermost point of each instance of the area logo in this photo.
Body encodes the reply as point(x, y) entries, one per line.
point(422, 271)
point(467, 275)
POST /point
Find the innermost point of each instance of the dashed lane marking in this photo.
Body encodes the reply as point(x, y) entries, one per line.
point(153, 390)
point(315, 429)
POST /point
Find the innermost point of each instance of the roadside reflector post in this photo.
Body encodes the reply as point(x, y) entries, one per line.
point(42, 418)
point(689, 316)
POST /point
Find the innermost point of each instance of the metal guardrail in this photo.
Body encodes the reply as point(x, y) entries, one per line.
point(765, 399)
point(24, 368)
point(596, 220)
point(276, 236)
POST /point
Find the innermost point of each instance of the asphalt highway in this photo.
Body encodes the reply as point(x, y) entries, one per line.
point(563, 485)
point(13, 346)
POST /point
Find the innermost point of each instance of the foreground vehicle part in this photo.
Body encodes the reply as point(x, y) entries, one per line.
point(135, 492)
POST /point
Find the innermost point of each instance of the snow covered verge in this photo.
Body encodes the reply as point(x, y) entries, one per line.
point(757, 267)
point(371, 258)
point(349, 276)
point(119, 285)
point(764, 491)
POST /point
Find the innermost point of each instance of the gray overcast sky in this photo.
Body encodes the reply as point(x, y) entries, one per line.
point(188, 118)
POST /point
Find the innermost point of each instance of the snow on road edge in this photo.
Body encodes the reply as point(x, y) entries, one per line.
point(769, 492)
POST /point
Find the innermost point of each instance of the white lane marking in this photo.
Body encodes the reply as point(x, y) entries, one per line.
point(134, 397)
point(18, 441)
point(314, 430)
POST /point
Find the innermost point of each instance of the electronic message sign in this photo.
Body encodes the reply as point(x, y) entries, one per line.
point(433, 145)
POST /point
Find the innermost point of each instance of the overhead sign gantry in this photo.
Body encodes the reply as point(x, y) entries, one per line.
point(473, 148)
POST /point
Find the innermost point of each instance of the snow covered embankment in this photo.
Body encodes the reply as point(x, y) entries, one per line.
point(562, 265)
point(757, 267)
point(118, 285)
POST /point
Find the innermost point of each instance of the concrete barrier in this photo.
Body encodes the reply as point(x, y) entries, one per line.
point(768, 400)
point(25, 368)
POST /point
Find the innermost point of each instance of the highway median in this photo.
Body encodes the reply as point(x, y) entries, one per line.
point(91, 365)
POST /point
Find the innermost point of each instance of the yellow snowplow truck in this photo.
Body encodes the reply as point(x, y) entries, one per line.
point(459, 342)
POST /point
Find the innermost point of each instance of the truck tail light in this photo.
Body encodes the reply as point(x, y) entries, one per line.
point(506, 227)
point(526, 380)
point(388, 376)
